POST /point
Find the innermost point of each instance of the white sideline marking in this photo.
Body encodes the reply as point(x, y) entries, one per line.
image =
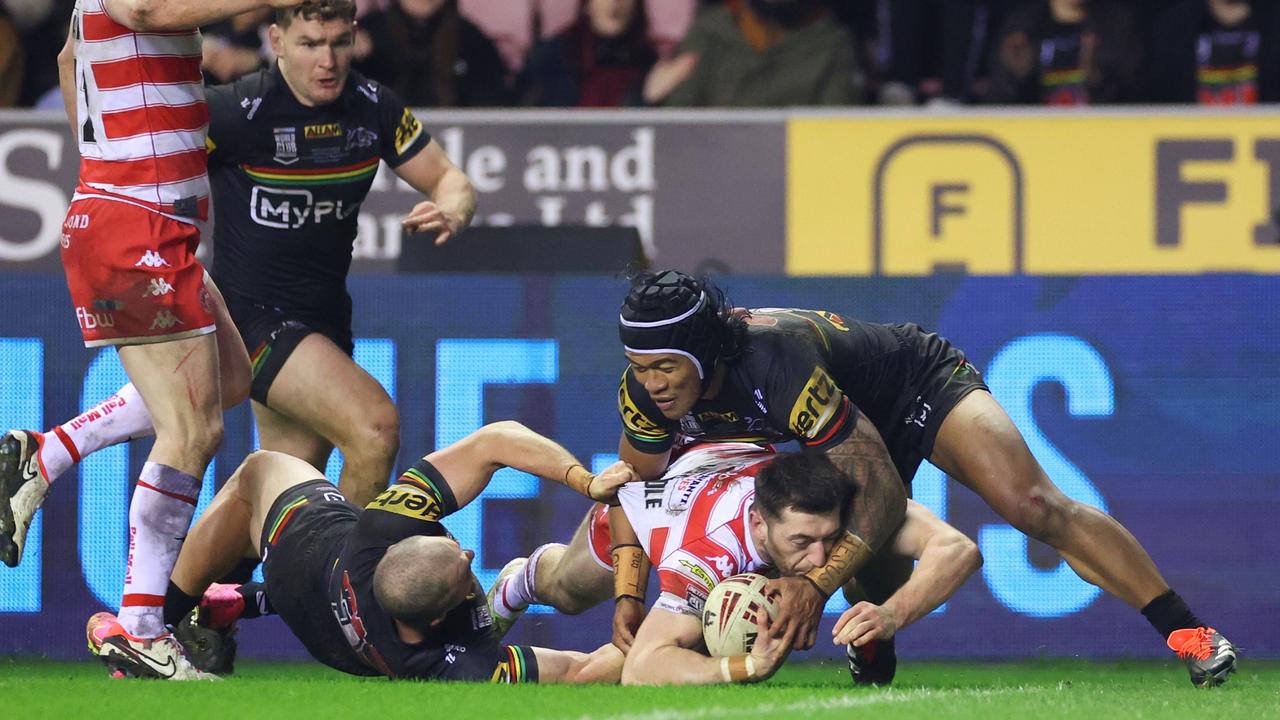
point(833, 703)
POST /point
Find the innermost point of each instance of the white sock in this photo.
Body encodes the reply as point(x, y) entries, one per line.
point(119, 418)
point(159, 517)
point(519, 591)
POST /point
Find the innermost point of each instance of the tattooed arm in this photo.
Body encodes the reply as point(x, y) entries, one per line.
point(878, 509)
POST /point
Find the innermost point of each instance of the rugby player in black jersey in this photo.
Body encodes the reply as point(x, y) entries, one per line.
point(384, 590)
point(293, 151)
point(872, 396)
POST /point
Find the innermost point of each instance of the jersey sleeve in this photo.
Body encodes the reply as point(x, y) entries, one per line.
point(224, 124)
point(644, 425)
point(804, 398)
point(401, 135)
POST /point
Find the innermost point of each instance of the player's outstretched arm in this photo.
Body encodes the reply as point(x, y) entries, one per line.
point(565, 666)
point(946, 560)
point(667, 651)
point(169, 15)
point(471, 462)
point(452, 200)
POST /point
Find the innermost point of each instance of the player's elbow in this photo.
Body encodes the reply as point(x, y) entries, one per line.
point(495, 437)
point(144, 15)
point(964, 553)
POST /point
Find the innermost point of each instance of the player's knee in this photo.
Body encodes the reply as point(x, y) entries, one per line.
point(376, 439)
point(1042, 515)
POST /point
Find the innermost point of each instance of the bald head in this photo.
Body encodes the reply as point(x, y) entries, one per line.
point(421, 578)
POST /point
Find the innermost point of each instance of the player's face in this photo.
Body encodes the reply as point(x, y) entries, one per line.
point(671, 380)
point(315, 57)
point(798, 542)
point(461, 574)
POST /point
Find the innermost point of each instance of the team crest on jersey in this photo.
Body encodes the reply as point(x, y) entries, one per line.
point(286, 145)
point(361, 137)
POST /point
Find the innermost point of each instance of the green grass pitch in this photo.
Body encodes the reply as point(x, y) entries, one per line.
point(804, 691)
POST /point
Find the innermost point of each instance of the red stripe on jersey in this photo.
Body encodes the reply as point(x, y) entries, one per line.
point(158, 70)
point(657, 543)
point(153, 119)
point(99, 26)
point(703, 503)
point(146, 171)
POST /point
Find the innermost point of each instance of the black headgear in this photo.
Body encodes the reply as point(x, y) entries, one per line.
point(670, 312)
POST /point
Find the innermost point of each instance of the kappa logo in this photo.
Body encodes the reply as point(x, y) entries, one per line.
point(723, 564)
point(151, 259)
point(164, 320)
point(158, 287)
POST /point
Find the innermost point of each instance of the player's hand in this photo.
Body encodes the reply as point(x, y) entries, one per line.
point(799, 610)
point(604, 486)
point(427, 217)
point(770, 651)
point(863, 623)
point(628, 613)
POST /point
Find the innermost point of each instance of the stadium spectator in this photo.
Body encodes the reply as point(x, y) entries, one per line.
point(12, 61)
point(599, 61)
point(42, 29)
point(431, 56)
point(1214, 52)
point(409, 606)
point(759, 53)
point(1067, 52)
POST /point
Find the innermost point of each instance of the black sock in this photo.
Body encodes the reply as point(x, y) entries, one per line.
point(241, 573)
point(178, 605)
point(256, 603)
point(1169, 612)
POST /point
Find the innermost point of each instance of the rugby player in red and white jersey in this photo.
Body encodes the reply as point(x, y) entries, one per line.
point(131, 82)
point(728, 508)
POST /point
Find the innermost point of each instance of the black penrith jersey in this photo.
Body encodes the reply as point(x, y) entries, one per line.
point(462, 647)
point(288, 181)
point(804, 375)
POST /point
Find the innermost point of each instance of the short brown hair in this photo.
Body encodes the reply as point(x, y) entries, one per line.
point(322, 10)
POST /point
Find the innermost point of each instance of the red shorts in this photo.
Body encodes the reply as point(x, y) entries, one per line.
point(599, 537)
point(133, 274)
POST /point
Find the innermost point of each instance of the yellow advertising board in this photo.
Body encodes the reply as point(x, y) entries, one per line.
point(1045, 194)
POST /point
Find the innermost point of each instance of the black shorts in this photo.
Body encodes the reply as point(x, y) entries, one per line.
point(942, 378)
point(302, 538)
point(271, 334)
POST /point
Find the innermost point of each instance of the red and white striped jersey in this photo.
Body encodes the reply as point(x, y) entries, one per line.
point(693, 522)
point(142, 115)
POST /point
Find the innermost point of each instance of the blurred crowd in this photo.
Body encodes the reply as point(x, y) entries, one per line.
point(751, 53)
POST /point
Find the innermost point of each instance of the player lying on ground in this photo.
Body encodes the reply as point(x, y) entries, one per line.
point(861, 392)
point(383, 591)
point(725, 509)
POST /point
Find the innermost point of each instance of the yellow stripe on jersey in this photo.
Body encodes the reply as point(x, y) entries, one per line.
point(408, 500)
point(635, 423)
point(816, 405)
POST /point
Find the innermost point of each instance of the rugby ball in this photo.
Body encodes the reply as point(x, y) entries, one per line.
point(729, 616)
